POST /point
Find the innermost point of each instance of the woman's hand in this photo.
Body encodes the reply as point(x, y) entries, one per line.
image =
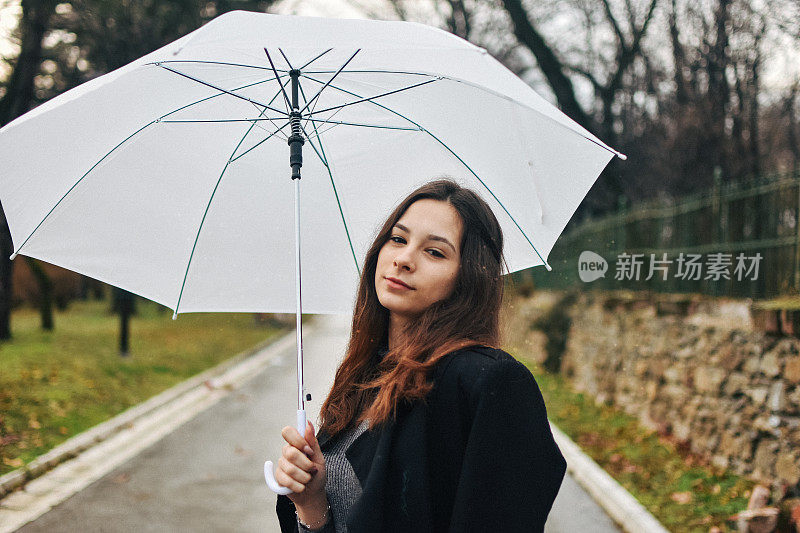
point(302, 468)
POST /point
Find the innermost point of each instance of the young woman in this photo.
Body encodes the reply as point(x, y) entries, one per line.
point(429, 427)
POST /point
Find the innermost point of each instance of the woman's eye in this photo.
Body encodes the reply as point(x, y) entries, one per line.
point(436, 253)
point(397, 238)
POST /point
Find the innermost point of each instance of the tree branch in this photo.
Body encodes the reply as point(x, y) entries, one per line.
point(588, 75)
point(613, 21)
point(550, 65)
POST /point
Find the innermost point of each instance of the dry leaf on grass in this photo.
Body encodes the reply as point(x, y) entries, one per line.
point(681, 497)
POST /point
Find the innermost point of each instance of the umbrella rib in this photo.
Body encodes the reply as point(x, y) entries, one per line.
point(259, 67)
point(324, 159)
point(370, 98)
point(214, 96)
point(231, 159)
point(283, 87)
point(308, 115)
point(270, 119)
point(474, 86)
point(283, 90)
point(205, 213)
point(220, 120)
point(285, 59)
point(259, 143)
point(422, 128)
point(305, 133)
point(329, 81)
point(311, 60)
point(546, 264)
point(81, 179)
point(376, 71)
point(277, 129)
point(156, 121)
point(221, 89)
point(338, 122)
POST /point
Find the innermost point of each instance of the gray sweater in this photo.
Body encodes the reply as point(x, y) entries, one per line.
point(341, 484)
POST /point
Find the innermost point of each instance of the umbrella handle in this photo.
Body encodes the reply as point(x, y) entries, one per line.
point(269, 474)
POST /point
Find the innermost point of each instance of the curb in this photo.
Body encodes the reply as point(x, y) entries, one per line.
point(620, 505)
point(235, 369)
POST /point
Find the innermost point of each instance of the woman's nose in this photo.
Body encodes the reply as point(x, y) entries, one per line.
point(403, 260)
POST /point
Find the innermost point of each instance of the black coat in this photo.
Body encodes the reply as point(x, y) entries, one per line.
point(477, 455)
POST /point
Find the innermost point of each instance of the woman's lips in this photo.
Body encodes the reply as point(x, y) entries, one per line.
point(396, 284)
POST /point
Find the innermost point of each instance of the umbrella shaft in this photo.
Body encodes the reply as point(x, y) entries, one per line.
point(299, 326)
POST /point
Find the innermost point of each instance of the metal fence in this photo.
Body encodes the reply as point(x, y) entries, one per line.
point(738, 239)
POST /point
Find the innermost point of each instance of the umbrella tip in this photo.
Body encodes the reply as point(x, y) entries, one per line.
point(547, 266)
point(12, 256)
point(174, 315)
point(622, 156)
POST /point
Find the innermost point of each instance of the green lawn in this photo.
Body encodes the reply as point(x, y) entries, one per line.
point(679, 489)
point(54, 385)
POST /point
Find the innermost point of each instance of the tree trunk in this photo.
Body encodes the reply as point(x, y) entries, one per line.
point(33, 25)
point(17, 100)
point(718, 89)
point(6, 276)
point(124, 304)
point(551, 66)
point(791, 135)
point(679, 59)
point(45, 293)
point(755, 151)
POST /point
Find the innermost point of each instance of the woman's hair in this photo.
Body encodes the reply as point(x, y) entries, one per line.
point(367, 386)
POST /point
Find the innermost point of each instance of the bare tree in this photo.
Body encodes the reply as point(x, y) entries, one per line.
point(16, 100)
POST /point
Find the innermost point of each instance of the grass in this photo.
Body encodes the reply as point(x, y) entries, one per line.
point(678, 488)
point(54, 385)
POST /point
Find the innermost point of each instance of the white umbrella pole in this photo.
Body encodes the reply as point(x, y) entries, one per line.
point(301, 410)
point(296, 161)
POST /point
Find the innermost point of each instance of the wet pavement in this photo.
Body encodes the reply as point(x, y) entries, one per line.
point(206, 475)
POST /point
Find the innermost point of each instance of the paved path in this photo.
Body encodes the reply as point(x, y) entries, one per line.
point(206, 475)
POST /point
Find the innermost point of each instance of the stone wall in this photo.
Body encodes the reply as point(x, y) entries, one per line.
point(691, 368)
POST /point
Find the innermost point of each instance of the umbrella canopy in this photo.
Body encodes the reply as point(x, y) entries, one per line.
point(169, 177)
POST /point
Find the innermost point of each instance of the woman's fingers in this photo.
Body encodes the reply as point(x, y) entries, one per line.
point(295, 467)
point(294, 472)
point(311, 439)
point(297, 458)
point(293, 437)
point(285, 480)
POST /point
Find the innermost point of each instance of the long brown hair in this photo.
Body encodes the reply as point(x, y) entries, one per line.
point(368, 387)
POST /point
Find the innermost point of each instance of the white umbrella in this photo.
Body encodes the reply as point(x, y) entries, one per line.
point(169, 176)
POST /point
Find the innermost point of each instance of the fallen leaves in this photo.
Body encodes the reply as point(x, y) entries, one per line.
point(11, 438)
point(54, 385)
point(121, 478)
point(244, 452)
point(13, 463)
point(681, 497)
point(677, 486)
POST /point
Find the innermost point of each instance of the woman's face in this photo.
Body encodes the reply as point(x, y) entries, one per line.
point(423, 253)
